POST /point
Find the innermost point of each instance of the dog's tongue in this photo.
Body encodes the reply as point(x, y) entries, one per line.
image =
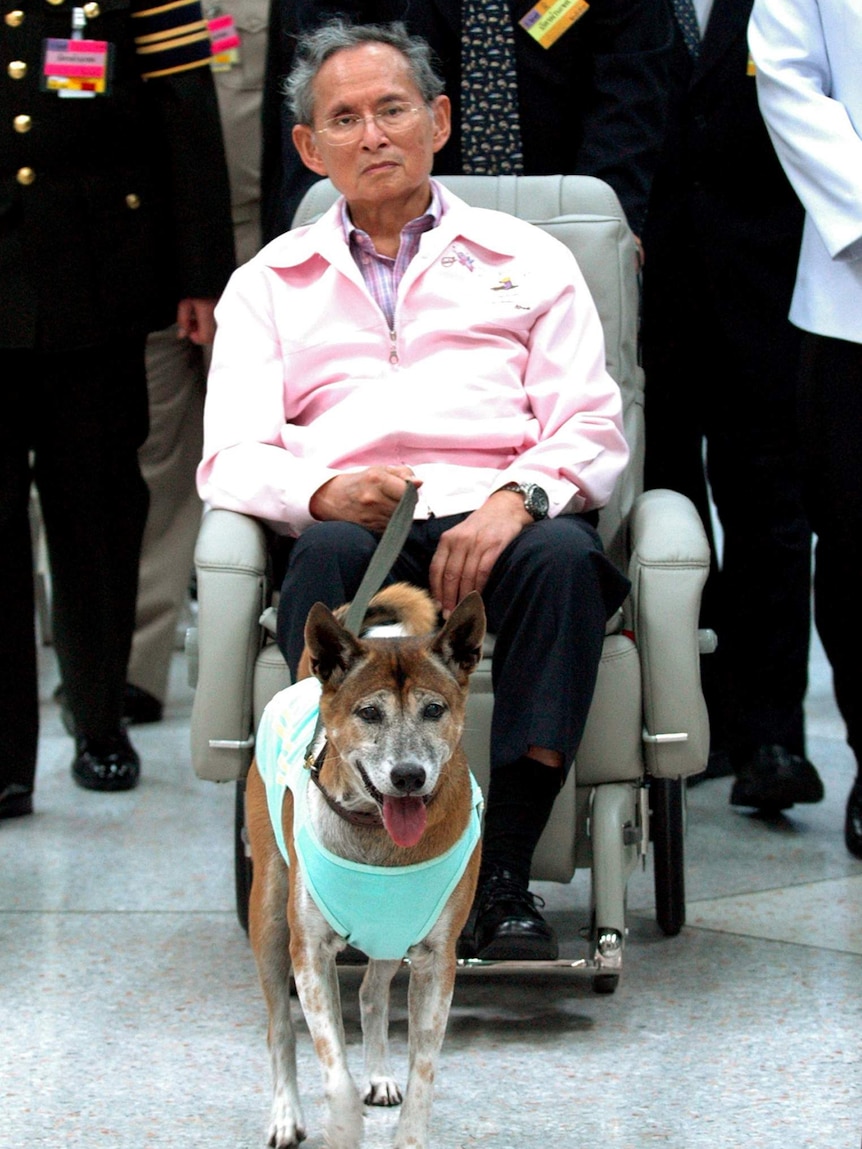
point(404, 819)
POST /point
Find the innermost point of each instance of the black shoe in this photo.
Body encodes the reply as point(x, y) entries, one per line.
point(106, 763)
point(774, 779)
point(140, 707)
point(16, 801)
point(853, 821)
point(509, 926)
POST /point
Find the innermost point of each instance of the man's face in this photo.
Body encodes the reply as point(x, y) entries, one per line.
point(377, 168)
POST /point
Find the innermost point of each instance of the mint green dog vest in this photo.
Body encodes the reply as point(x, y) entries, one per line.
point(381, 910)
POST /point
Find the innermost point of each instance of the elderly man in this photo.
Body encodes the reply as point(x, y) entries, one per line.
point(408, 337)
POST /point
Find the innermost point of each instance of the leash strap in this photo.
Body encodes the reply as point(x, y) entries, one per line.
point(386, 552)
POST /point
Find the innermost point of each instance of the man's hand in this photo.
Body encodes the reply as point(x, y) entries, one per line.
point(365, 497)
point(467, 552)
point(195, 320)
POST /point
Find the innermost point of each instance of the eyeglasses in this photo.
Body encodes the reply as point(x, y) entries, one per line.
point(393, 120)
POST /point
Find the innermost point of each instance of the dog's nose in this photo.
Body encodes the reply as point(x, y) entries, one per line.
point(408, 777)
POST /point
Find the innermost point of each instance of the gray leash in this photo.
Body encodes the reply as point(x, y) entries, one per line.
point(385, 554)
point(388, 550)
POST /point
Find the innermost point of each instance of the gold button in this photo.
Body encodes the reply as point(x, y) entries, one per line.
point(14, 19)
point(25, 176)
point(133, 201)
point(22, 124)
point(91, 11)
point(17, 70)
point(55, 2)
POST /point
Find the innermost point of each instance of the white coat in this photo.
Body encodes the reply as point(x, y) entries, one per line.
point(808, 56)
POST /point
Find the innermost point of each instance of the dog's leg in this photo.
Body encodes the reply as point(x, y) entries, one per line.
point(432, 982)
point(374, 1005)
point(313, 947)
point(269, 935)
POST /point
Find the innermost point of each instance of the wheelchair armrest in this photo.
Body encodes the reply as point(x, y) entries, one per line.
point(231, 561)
point(669, 564)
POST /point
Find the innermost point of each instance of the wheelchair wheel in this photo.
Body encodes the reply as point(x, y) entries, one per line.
point(667, 796)
point(241, 858)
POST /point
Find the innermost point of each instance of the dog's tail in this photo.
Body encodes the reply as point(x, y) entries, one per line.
point(400, 605)
point(396, 610)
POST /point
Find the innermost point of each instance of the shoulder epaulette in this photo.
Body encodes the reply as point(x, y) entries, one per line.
point(171, 38)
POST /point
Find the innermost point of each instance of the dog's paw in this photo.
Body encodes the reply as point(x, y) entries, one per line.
point(285, 1132)
point(382, 1091)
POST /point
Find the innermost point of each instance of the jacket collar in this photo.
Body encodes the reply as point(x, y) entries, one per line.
point(324, 239)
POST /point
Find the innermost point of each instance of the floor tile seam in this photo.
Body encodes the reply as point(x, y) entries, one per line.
point(793, 887)
point(738, 933)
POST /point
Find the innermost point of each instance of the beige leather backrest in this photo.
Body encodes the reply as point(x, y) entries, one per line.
point(584, 214)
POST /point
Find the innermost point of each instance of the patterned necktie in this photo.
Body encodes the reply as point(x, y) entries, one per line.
point(490, 132)
point(686, 17)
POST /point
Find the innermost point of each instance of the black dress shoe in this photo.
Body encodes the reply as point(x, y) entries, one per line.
point(853, 821)
point(140, 707)
point(508, 924)
point(16, 801)
point(773, 779)
point(106, 763)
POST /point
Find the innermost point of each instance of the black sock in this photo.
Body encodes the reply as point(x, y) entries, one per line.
point(521, 796)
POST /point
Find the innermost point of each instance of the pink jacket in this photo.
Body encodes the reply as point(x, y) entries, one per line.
point(495, 371)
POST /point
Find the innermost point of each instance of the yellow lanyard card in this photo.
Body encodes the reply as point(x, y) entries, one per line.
point(549, 19)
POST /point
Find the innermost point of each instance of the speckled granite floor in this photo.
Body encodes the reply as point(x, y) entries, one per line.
point(130, 1015)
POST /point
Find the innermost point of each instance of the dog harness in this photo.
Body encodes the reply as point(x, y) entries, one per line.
point(381, 910)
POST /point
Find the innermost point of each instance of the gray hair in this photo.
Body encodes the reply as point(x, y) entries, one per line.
point(314, 49)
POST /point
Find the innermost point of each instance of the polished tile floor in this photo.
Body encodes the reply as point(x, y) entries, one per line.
point(130, 1015)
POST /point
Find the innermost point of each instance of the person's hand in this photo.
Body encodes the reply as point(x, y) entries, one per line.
point(467, 552)
point(365, 497)
point(196, 321)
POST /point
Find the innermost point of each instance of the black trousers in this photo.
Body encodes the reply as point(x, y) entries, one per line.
point(721, 420)
point(830, 399)
point(548, 598)
point(73, 424)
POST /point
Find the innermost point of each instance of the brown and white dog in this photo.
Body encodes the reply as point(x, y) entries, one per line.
point(394, 790)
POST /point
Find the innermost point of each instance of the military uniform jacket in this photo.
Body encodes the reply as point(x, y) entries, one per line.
point(112, 207)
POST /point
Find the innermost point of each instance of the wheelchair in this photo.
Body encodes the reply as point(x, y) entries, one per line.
point(647, 728)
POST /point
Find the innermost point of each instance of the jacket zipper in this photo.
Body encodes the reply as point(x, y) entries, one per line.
point(393, 348)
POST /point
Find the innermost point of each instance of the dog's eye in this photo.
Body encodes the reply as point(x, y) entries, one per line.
point(369, 713)
point(433, 711)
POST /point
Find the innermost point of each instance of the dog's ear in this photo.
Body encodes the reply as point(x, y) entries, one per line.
point(459, 643)
point(332, 648)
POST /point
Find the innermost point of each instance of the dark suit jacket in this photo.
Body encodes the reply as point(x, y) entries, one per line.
point(128, 209)
point(591, 104)
point(724, 226)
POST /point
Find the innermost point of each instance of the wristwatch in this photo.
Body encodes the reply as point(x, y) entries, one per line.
point(535, 498)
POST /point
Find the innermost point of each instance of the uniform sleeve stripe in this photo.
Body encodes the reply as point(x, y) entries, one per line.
point(174, 71)
point(176, 44)
point(167, 33)
point(164, 10)
point(171, 38)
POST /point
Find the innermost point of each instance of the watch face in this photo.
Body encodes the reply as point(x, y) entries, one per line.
point(536, 501)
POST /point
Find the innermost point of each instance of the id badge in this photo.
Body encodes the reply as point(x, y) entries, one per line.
point(549, 19)
point(77, 67)
point(225, 41)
